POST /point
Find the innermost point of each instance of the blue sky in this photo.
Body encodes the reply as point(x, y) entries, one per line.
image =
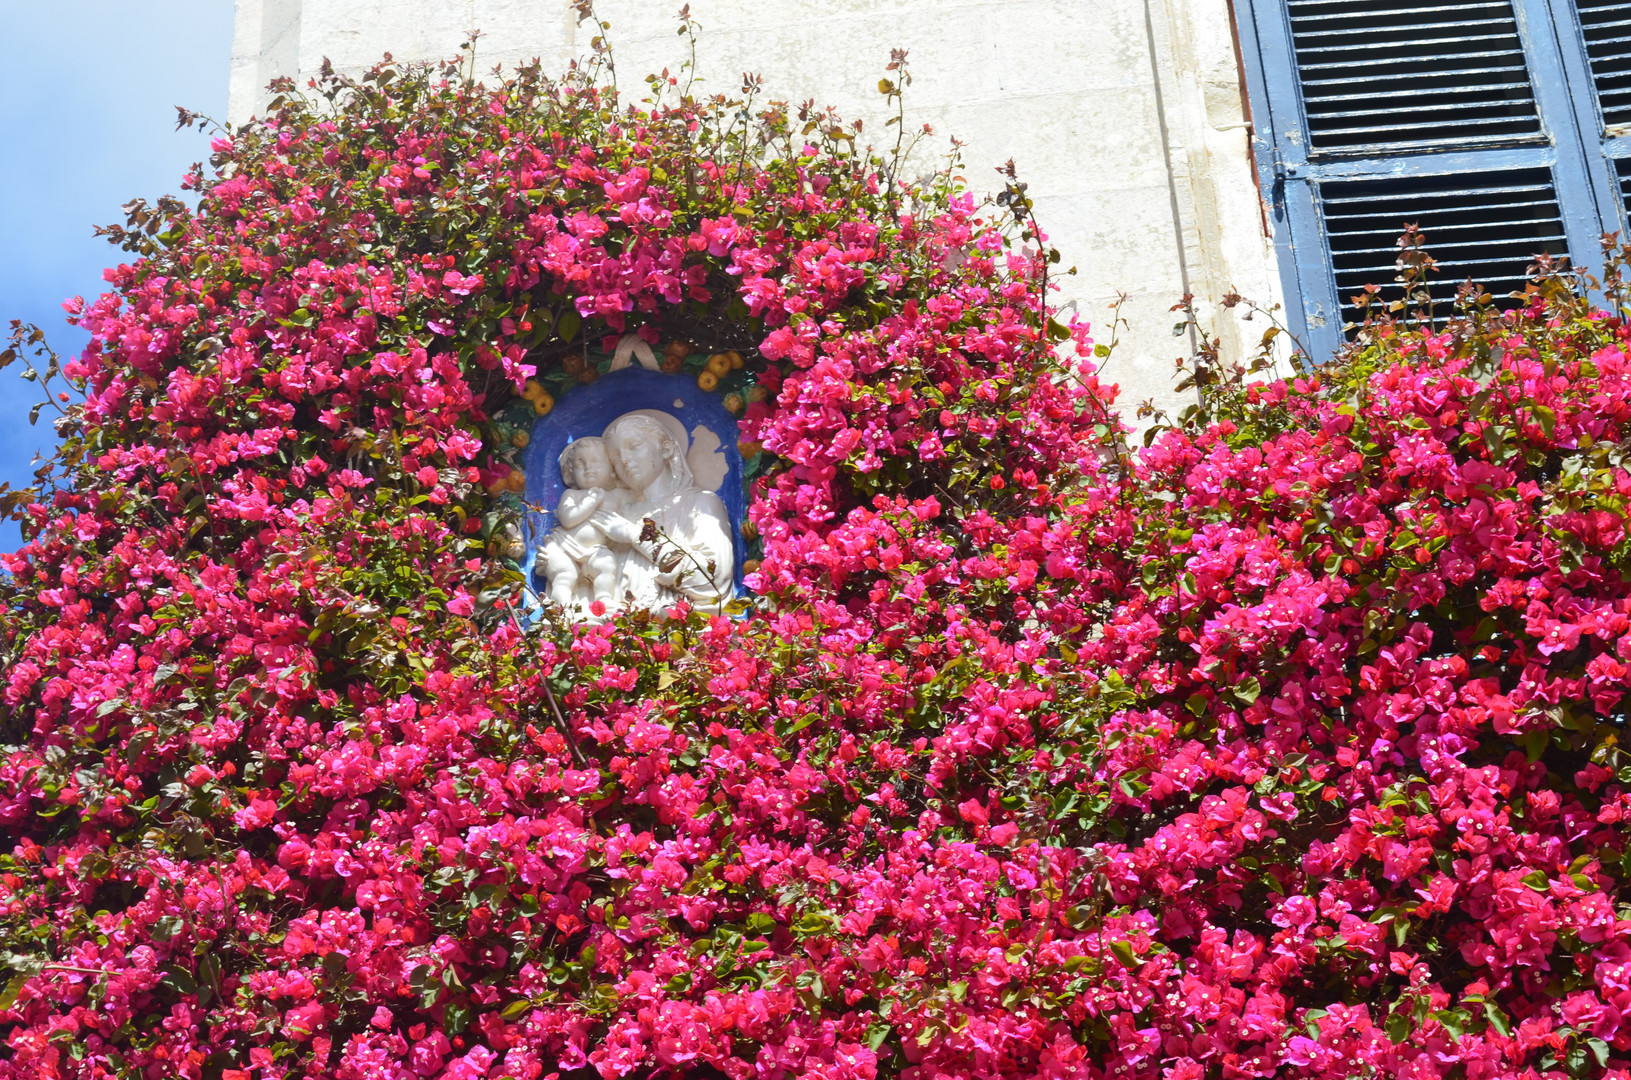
point(87, 122)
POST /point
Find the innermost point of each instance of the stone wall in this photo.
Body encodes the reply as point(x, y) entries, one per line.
point(1125, 117)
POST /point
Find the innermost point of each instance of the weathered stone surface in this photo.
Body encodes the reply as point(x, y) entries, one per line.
point(1124, 116)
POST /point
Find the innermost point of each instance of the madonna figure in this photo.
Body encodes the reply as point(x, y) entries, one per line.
point(689, 555)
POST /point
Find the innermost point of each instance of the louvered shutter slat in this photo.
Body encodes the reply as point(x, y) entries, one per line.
point(1427, 82)
point(1443, 127)
point(1381, 71)
point(1462, 246)
point(1432, 92)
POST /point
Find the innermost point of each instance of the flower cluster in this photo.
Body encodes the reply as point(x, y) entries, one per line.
point(1289, 746)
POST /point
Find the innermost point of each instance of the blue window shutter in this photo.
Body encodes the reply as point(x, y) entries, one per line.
point(1461, 116)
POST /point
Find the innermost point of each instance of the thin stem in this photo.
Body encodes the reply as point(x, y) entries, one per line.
point(689, 27)
point(708, 574)
point(554, 707)
point(560, 723)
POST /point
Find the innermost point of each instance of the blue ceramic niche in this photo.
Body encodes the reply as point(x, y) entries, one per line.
point(586, 410)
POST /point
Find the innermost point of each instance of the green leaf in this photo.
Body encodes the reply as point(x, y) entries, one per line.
point(1078, 916)
point(1132, 788)
point(1247, 690)
point(209, 971)
point(959, 991)
point(1311, 1020)
point(1497, 1019)
point(1545, 417)
point(180, 981)
point(1454, 1021)
point(798, 725)
point(14, 986)
point(516, 1009)
point(1123, 951)
point(815, 922)
point(876, 1034)
point(567, 325)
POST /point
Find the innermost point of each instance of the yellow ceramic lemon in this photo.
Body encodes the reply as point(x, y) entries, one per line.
point(542, 400)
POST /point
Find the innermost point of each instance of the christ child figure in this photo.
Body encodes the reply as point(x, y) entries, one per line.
point(576, 551)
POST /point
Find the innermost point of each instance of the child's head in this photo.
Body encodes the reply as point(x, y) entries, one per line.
point(584, 464)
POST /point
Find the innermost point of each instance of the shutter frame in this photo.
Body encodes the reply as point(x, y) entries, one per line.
point(1569, 110)
point(1280, 149)
point(1604, 151)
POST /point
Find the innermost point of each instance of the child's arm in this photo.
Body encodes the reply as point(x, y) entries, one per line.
point(576, 506)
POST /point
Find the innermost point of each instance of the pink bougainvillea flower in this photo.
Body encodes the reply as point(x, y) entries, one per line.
point(1287, 745)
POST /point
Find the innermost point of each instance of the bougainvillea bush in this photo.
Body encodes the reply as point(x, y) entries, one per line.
point(1286, 746)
